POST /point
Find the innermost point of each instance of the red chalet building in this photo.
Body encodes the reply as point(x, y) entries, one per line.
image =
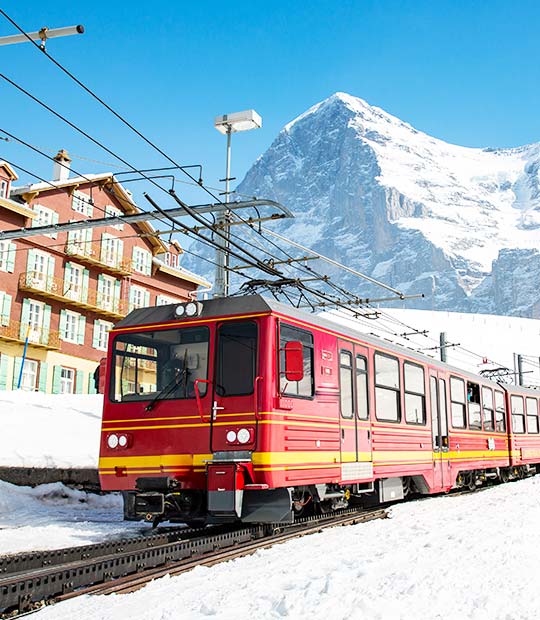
point(61, 293)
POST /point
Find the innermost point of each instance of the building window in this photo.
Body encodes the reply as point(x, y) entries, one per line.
point(305, 387)
point(387, 388)
point(108, 291)
point(29, 375)
point(3, 188)
point(82, 203)
point(72, 326)
point(111, 211)
point(80, 242)
point(45, 217)
point(35, 317)
point(7, 256)
point(457, 398)
point(40, 269)
point(518, 414)
point(171, 260)
point(415, 394)
point(142, 261)
point(111, 250)
point(5, 308)
point(67, 380)
point(101, 334)
point(163, 300)
point(74, 282)
point(138, 297)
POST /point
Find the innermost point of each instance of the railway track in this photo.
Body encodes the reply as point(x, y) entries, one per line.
point(29, 581)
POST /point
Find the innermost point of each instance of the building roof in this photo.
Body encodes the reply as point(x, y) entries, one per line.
point(11, 172)
point(109, 183)
point(180, 272)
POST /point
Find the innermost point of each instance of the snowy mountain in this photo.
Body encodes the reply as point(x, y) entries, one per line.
point(461, 225)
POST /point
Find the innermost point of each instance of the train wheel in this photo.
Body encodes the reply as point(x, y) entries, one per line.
point(471, 481)
point(504, 475)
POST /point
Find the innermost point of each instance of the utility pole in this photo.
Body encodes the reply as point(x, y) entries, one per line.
point(443, 345)
point(229, 124)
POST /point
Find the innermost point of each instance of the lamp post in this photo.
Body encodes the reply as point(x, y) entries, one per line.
point(227, 125)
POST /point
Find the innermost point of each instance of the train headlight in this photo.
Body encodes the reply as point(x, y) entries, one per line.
point(112, 441)
point(231, 436)
point(180, 310)
point(243, 435)
point(122, 441)
point(192, 309)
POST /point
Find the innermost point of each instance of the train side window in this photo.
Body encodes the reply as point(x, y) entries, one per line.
point(487, 409)
point(362, 387)
point(346, 384)
point(457, 398)
point(500, 412)
point(415, 394)
point(387, 388)
point(532, 415)
point(442, 409)
point(518, 414)
point(305, 387)
point(473, 403)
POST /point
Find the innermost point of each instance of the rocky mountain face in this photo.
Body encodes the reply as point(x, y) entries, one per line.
point(461, 225)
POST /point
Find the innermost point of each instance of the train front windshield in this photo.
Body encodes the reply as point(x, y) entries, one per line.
point(164, 364)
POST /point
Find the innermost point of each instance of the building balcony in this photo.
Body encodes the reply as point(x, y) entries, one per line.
point(78, 297)
point(37, 337)
point(92, 254)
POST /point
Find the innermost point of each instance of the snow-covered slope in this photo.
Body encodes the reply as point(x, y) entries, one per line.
point(461, 225)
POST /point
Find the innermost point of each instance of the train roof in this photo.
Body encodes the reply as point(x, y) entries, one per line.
point(256, 304)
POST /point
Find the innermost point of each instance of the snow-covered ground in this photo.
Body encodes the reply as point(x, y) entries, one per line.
point(52, 516)
point(469, 557)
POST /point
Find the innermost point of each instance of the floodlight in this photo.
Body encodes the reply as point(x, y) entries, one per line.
point(238, 121)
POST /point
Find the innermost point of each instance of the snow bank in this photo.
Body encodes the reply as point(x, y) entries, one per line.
point(52, 516)
point(49, 430)
point(449, 558)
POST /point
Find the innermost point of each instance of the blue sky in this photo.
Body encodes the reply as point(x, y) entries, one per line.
point(464, 71)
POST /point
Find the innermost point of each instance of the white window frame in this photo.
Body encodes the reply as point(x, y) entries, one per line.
point(111, 211)
point(110, 250)
point(82, 203)
point(164, 300)
point(41, 260)
point(108, 290)
point(74, 286)
point(138, 294)
point(45, 217)
point(71, 327)
point(101, 333)
point(67, 380)
point(4, 255)
point(36, 316)
point(142, 261)
point(171, 260)
point(30, 370)
point(4, 188)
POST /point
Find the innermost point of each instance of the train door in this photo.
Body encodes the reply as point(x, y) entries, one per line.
point(439, 431)
point(235, 387)
point(363, 422)
point(355, 431)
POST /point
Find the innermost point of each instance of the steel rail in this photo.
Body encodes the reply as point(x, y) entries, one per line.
point(29, 589)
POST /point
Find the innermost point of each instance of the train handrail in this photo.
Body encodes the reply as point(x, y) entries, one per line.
point(198, 396)
point(256, 397)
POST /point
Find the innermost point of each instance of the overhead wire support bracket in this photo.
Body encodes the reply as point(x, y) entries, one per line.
point(20, 233)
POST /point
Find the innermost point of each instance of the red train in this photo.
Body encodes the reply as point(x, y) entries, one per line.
point(245, 409)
